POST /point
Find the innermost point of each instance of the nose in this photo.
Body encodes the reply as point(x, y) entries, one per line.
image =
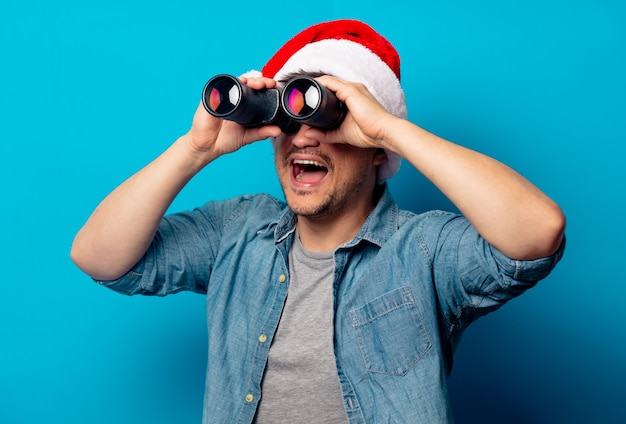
point(300, 140)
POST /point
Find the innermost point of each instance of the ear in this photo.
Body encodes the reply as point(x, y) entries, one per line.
point(380, 157)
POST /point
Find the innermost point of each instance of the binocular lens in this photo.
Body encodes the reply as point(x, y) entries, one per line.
point(308, 102)
point(302, 103)
point(224, 94)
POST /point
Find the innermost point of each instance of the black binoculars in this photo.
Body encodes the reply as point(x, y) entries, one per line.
point(301, 101)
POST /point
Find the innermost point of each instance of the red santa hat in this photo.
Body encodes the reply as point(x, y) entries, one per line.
point(353, 51)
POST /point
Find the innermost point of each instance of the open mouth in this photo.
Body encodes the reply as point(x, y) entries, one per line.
point(308, 171)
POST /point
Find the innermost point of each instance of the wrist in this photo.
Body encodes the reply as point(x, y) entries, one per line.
point(394, 134)
point(193, 157)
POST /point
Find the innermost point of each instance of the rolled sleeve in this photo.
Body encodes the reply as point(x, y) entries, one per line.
point(532, 270)
point(474, 278)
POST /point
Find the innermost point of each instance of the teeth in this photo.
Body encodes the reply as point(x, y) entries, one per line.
point(308, 162)
point(299, 176)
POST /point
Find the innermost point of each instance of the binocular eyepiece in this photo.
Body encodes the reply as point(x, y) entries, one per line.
point(301, 101)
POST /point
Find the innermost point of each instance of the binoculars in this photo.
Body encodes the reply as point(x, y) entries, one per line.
point(301, 101)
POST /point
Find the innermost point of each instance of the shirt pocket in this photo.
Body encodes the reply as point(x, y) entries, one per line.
point(390, 332)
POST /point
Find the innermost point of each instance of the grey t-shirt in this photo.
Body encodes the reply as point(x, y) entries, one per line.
point(300, 384)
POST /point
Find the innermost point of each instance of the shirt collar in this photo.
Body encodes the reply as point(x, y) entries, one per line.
point(377, 228)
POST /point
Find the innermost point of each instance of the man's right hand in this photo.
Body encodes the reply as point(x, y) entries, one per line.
point(211, 137)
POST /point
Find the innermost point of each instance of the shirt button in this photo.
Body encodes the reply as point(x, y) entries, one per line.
point(249, 398)
point(282, 278)
point(262, 338)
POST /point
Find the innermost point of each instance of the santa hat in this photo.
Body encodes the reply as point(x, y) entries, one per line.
point(353, 51)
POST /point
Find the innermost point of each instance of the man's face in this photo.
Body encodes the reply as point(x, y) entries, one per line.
point(321, 180)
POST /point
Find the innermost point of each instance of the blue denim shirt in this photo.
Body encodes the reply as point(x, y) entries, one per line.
point(405, 289)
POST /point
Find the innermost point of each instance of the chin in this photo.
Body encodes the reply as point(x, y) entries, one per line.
point(303, 204)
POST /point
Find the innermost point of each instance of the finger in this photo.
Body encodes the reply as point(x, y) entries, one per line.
point(324, 137)
point(330, 79)
point(333, 84)
point(258, 83)
point(345, 89)
point(261, 133)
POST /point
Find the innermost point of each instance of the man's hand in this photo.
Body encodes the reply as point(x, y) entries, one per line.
point(366, 123)
point(211, 137)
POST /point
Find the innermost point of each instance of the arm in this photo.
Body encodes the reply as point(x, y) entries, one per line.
point(506, 209)
point(122, 227)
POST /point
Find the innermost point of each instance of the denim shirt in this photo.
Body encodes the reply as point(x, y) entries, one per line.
point(405, 289)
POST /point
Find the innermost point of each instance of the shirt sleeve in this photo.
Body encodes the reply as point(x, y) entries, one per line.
point(182, 253)
point(474, 278)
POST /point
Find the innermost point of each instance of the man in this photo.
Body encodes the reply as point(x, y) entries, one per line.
point(336, 307)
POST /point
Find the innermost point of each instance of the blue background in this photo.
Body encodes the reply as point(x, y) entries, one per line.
point(91, 91)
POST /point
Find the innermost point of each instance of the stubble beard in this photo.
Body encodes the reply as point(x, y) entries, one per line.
point(333, 201)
